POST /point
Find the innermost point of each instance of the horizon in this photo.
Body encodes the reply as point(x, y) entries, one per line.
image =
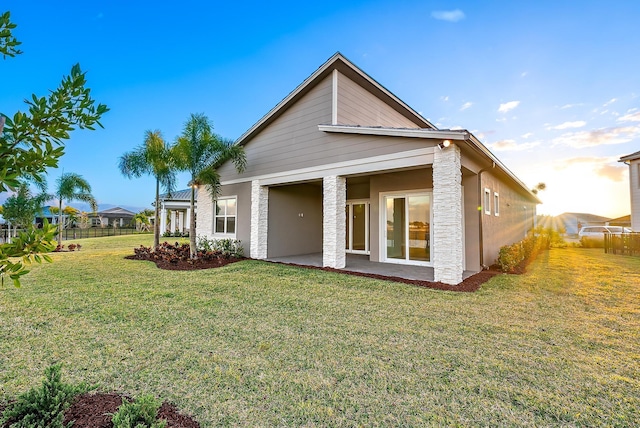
point(534, 82)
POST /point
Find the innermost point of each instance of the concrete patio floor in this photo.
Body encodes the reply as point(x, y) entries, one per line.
point(361, 263)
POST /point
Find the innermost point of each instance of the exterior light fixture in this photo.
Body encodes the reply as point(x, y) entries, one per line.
point(444, 144)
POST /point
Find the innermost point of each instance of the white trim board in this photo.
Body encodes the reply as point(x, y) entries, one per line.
point(409, 158)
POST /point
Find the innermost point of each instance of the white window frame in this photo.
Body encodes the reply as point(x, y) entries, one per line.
point(487, 201)
point(496, 204)
point(383, 225)
point(225, 216)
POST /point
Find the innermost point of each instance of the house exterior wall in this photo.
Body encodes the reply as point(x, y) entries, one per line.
point(634, 187)
point(294, 142)
point(204, 223)
point(470, 216)
point(295, 220)
point(515, 219)
point(357, 106)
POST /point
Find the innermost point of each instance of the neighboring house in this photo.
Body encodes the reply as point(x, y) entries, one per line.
point(572, 222)
point(175, 215)
point(46, 214)
point(341, 165)
point(633, 160)
point(118, 216)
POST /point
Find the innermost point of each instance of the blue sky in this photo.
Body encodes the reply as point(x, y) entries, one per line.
point(552, 88)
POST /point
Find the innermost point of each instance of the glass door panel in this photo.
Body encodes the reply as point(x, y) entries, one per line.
point(359, 242)
point(419, 228)
point(396, 226)
point(348, 234)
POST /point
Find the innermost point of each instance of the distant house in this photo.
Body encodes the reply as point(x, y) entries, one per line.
point(118, 216)
point(572, 222)
point(175, 215)
point(341, 165)
point(633, 160)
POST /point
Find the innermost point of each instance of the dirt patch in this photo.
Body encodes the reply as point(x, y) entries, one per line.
point(95, 410)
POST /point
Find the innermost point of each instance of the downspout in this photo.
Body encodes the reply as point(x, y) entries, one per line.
point(481, 215)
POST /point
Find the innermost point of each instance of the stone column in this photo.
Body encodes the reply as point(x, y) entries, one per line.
point(447, 215)
point(163, 220)
point(259, 220)
point(334, 190)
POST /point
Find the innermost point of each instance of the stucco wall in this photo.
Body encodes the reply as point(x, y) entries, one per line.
point(295, 220)
point(204, 221)
point(515, 220)
point(634, 187)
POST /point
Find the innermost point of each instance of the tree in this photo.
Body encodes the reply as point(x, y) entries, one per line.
point(71, 214)
point(34, 141)
point(200, 152)
point(72, 187)
point(152, 157)
point(540, 186)
point(21, 208)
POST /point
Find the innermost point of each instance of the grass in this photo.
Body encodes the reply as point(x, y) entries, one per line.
point(257, 344)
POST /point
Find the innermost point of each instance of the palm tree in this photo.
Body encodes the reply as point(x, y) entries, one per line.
point(200, 152)
point(72, 187)
point(152, 157)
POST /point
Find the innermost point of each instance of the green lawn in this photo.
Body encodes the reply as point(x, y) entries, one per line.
point(256, 344)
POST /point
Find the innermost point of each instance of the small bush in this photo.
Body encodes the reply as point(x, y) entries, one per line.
point(586, 242)
point(228, 248)
point(141, 413)
point(523, 252)
point(43, 407)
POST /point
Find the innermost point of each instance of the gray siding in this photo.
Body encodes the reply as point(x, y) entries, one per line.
point(357, 106)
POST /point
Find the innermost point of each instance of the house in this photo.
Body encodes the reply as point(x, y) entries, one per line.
point(175, 215)
point(112, 216)
point(633, 160)
point(572, 222)
point(341, 165)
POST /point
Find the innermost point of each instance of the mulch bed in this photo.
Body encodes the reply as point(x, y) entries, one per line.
point(95, 410)
point(470, 284)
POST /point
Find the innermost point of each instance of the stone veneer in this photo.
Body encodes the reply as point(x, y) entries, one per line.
point(334, 189)
point(204, 207)
point(259, 220)
point(447, 215)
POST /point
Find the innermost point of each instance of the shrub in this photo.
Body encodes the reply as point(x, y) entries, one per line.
point(141, 413)
point(228, 248)
point(44, 406)
point(523, 252)
point(586, 242)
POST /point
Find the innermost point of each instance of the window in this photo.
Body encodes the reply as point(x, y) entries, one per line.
point(496, 204)
point(224, 216)
point(487, 201)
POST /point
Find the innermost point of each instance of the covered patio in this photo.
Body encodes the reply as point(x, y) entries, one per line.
point(361, 263)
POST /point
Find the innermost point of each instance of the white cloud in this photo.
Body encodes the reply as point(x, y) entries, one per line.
point(611, 101)
point(511, 145)
point(631, 116)
point(566, 106)
point(448, 15)
point(596, 137)
point(567, 125)
point(527, 135)
point(524, 74)
point(504, 108)
point(466, 106)
point(444, 98)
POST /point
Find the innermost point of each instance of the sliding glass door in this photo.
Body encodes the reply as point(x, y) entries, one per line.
point(407, 231)
point(357, 235)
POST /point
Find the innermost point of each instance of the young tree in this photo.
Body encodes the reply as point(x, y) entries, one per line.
point(33, 141)
point(199, 151)
point(21, 208)
point(152, 157)
point(72, 187)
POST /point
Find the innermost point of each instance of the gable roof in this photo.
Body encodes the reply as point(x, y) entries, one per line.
point(117, 211)
point(346, 67)
point(632, 156)
point(178, 195)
